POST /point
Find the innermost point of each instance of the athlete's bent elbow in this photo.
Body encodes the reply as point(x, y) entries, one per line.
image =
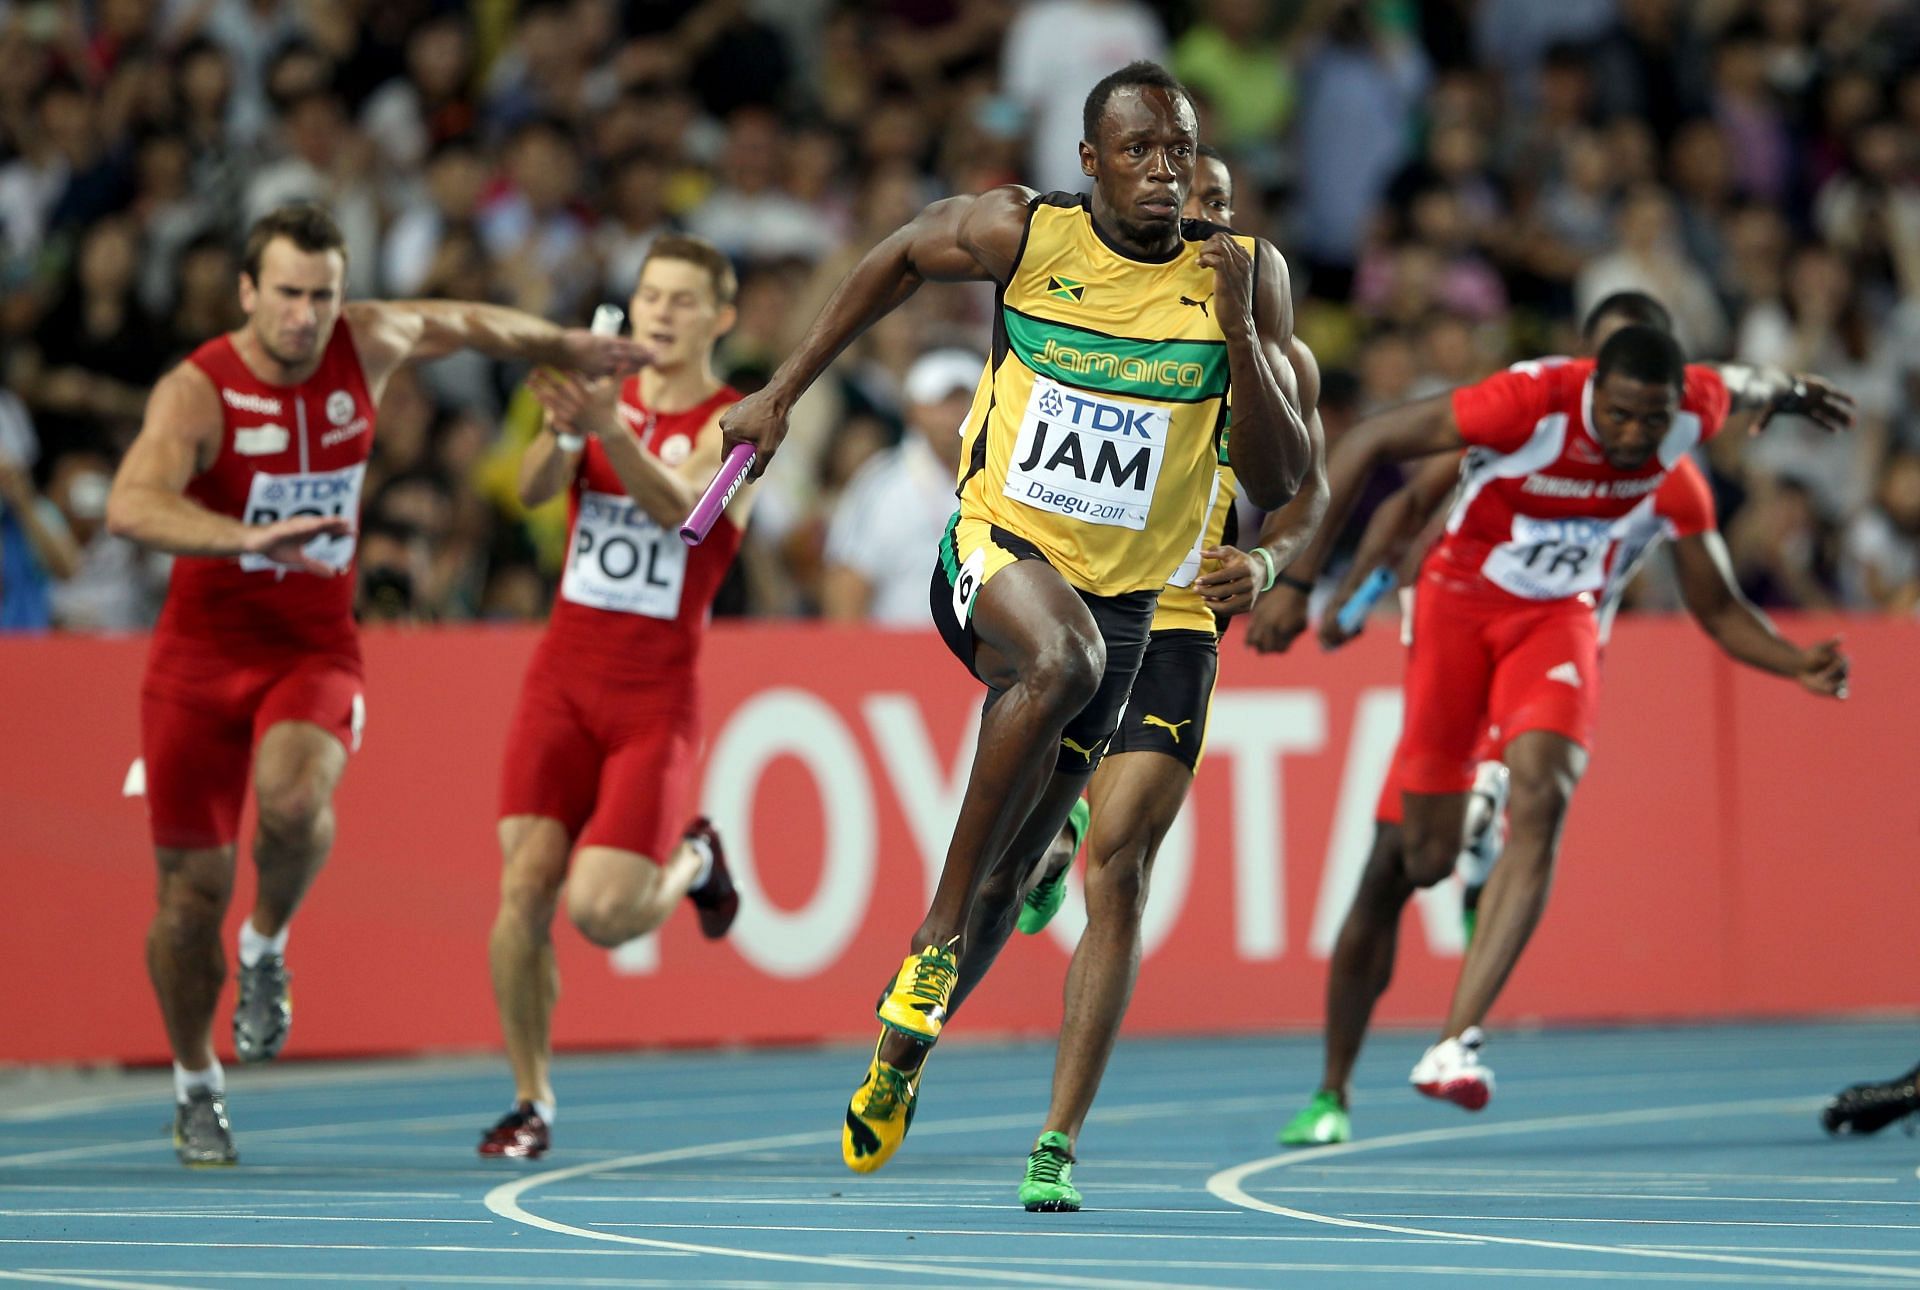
point(123, 515)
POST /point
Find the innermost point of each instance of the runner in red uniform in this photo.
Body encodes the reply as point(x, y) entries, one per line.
point(601, 756)
point(1564, 461)
point(248, 468)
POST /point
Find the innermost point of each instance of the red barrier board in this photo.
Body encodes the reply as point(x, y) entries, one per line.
point(1738, 848)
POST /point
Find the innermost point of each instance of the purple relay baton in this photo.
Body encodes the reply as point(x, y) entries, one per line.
point(733, 471)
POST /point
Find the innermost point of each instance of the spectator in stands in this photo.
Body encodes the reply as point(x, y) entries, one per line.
point(889, 520)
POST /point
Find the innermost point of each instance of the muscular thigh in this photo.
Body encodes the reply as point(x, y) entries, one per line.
point(1449, 671)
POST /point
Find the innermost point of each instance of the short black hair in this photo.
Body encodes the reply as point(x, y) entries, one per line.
point(1637, 307)
point(308, 225)
point(1210, 152)
point(1643, 354)
point(1139, 74)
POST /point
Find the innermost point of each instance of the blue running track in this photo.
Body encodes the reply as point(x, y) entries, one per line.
point(1668, 1156)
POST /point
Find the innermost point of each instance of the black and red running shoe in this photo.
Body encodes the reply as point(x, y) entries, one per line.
point(716, 899)
point(520, 1135)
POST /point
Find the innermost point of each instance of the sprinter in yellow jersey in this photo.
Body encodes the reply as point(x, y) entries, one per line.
point(1119, 334)
point(1143, 781)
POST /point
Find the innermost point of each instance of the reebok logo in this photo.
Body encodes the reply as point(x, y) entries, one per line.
point(241, 402)
point(1566, 674)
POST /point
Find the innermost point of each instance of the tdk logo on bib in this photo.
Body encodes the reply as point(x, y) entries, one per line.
point(272, 498)
point(1089, 456)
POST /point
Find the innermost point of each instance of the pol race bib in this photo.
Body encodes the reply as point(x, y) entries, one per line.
point(271, 498)
point(623, 561)
point(1088, 456)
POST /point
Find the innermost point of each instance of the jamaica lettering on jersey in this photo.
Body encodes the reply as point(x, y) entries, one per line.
point(1096, 430)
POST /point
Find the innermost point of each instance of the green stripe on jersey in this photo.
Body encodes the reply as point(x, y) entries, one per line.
point(1171, 371)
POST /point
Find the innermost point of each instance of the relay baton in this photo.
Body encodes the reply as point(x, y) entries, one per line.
point(733, 473)
point(1365, 597)
point(607, 320)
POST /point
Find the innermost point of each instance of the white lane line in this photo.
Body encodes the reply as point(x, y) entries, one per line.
point(365, 1197)
point(505, 1200)
point(1649, 1222)
point(202, 1213)
point(837, 1202)
point(69, 1279)
point(1442, 1269)
point(477, 1279)
point(541, 1251)
point(1229, 1184)
point(1778, 1249)
point(1042, 1232)
point(1216, 1266)
point(1453, 1170)
point(1335, 1189)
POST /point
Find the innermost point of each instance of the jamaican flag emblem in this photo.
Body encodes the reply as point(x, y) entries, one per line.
point(1066, 288)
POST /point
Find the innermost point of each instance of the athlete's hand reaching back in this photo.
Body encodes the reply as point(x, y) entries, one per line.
point(1815, 398)
point(1232, 283)
point(1824, 669)
point(284, 541)
point(1227, 588)
point(596, 355)
point(1278, 620)
point(760, 419)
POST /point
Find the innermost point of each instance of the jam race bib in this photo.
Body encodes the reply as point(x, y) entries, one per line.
point(1088, 456)
point(271, 498)
point(623, 561)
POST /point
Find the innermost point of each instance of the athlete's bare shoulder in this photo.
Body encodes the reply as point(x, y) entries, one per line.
point(180, 433)
point(987, 227)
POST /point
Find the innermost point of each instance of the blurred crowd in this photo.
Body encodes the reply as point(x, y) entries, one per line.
point(1452, 181)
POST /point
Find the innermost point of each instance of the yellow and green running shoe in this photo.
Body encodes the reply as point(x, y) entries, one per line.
point(917, 1001)
point(1322, 1122)
point(880, 1114)
point(1048, 1186)
point(1044, 901)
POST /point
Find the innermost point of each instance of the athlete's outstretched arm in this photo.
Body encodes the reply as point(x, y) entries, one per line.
point(1390, 538)
point(1759, 394)
point(391, 332)
point(1417, 429)
point(180, 438)
point(1714, 599)
point(960, 239)
point(1270, 448)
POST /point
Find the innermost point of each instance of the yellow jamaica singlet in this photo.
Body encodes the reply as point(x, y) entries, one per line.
point(1181, 608)
point(1098, 426)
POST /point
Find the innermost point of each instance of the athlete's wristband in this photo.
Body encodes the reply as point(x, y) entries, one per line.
point(1300, 585)
point(570, 442)
point(1266, 558)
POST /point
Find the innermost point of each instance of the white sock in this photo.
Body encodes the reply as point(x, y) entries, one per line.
point(705, 852)
point(544, 1110)
point(253, 944)
point(186, 1082)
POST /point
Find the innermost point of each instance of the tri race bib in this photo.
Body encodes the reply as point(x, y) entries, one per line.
point(1088, 456)
point(271, 498)
point(623, 561)
point(1551, 559)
